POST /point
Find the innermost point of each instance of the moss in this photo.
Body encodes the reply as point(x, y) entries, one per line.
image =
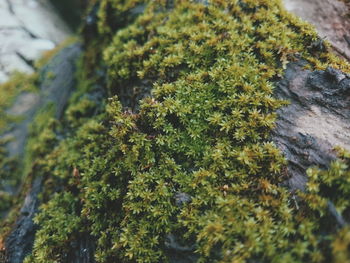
point(19, 82)
point(10, 168)
point(42, 137)
point(9, 176)
point(203, 132)
point(7, 223)
point(327, 192)
point(61, 213)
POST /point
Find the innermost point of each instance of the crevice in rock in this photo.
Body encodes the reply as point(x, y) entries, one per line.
point(10, 7)
point(31, 34)
point(29, 62)
point(20, 28)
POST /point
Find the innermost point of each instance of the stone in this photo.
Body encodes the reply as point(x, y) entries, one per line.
point(27, 30)
point(329, 18)
point(316, 120)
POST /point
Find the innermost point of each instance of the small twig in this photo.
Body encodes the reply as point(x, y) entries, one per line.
point(296, 203)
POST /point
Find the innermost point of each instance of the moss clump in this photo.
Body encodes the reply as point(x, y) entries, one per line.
point(327, 195)
point(203, 133)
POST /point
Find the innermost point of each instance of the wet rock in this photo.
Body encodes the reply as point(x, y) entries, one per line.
point(329, 17)
point(82, 250)
point(336, 74)
point(139, 9)
point(57, 78)
point(52, 90)
point(24, 103)
point(92, 18)
point(19, 243)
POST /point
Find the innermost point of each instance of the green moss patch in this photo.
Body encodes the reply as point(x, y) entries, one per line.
point(204, 133)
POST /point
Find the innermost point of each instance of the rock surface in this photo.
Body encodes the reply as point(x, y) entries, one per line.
point(330, 19)
point(27, 29)
point(57, 82)
point(56, 91)
point(316, 121)
point(20, 242)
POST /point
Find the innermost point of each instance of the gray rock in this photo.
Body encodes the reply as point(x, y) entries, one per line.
point(52, 90)
point(24, 103)
point(56, 91)
point(329, 18)
point(19, 243)
point(27, 29)
point(317, 119)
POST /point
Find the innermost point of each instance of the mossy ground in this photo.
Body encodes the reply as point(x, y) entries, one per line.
point(203, 132)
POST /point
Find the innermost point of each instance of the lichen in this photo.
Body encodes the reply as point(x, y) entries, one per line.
point(203, 132)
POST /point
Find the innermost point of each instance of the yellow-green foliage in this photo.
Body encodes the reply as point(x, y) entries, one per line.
point(8, 177)
point(333, 187)
point(205, 132)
